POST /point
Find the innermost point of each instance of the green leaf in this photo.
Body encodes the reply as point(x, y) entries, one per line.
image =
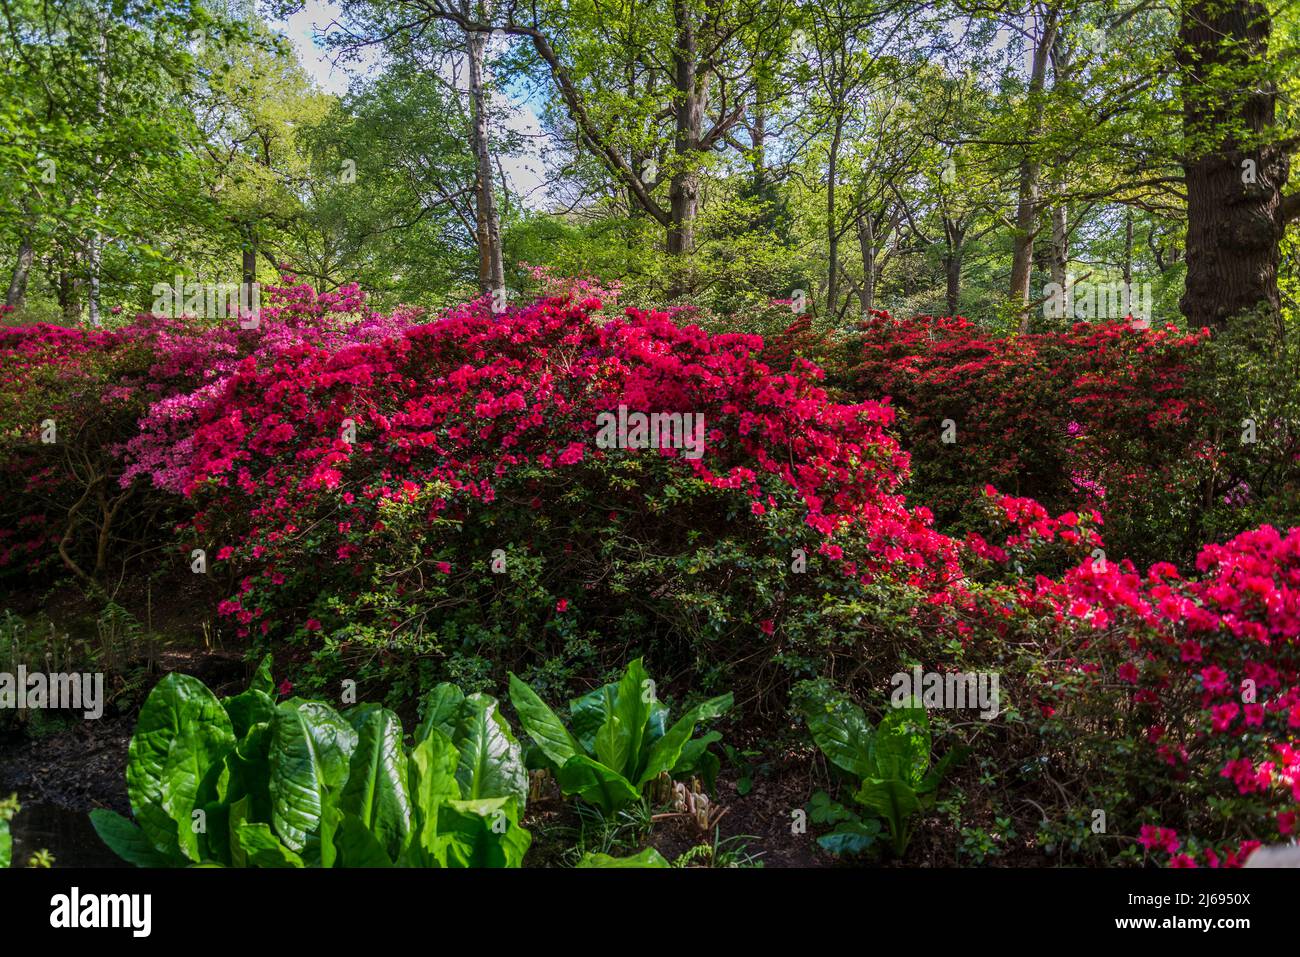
point(595, 783)
point(895, 801)
point(262, 680)
point(483, 833)
point(851, 837)
point(375, 793)
point(441, 708)
point(7, 843)
point(431, 773)
point(903, 745)
point(541, 723)
point(647, 858)
point(632, 703)
point(842, 731)
point(666, 752)
point(248, 709)
point(491, 759)
point(124, 839)
point(612, 744)
point(310, 748)
point(588, 714)
point(181, 737)
point(262, 849)
point(822, 810)
point(358, 846)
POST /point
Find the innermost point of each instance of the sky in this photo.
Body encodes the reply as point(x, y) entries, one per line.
point(525, 172)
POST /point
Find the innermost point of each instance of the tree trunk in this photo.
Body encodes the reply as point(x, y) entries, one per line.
point(1234, 170)
point(955, 239)
point(69, 302)
point(867, 246)
point(491, 268)
point(1127, 265)
point(1027, 200)
point(95, 247)
point(22, 269)
point(248, 266)
point(1060, 252)
point(832, 227)
point(684, 189)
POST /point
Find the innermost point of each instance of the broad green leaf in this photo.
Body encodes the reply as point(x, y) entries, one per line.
point(7, 843)
point(697, 760)
point(595, 783)
point(491, 759)
point(247, 709)
point(612, 743)
point(310, 748)
point(632, 703)
point(841, 730)
point(646, 858)
point(375, 792)
point(262, 849)
point(431, 771)
point(357, 845)
point(483, 833)
point(441, 707)
point(892, 799)
point(666, 752)
point(588, 714)
point(903, 745)
point(541, 723)
point(127, 841)
point(180, 739)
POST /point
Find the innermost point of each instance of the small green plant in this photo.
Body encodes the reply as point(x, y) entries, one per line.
point(646, 858)
point(620, 739)
point(8, 808)
point(248, 782)
point(891, 764)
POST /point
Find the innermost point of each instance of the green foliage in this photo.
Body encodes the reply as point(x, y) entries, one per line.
point(620, 739)
point(890, 762)
point(646, 858)
point(248, 782)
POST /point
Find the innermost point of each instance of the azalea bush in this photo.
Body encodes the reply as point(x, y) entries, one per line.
point(437, 497)
point(1101, 416)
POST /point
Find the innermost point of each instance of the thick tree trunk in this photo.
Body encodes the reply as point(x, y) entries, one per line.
point(491, 268)
point(1234, 170)
point(69, 299)
point(1027, 199)
point(684, 188)
point(955, 239)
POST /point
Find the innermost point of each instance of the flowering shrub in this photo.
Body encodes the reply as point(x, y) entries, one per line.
point(1187, 691)
point(473, 436)
point(1103, 416)
point(411, 501)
